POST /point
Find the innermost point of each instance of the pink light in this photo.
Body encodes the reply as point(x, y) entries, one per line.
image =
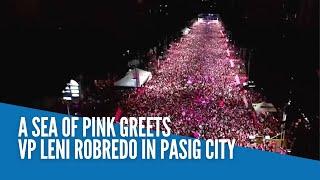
point(231, 63)
point(237, 79)
point(196, 135)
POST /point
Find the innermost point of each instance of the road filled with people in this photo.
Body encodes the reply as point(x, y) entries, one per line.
point(199, 86)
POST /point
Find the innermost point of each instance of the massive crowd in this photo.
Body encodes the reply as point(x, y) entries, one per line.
point(199, 85)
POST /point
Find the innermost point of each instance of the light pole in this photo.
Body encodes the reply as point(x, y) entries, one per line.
point(70, 93)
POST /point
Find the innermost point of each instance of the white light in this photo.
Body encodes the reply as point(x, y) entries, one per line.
point(185, 31)
point(200, 20)
point(74, 87)
point(75, 91)
point(67, 98)
point(288, 150)
point(267, 137)
point(73, 83)
point(252, 137)
point(75, 95)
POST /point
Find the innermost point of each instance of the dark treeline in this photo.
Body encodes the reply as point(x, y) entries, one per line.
point(281, 39)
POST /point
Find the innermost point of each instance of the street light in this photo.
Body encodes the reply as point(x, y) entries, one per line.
point(71, 92)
